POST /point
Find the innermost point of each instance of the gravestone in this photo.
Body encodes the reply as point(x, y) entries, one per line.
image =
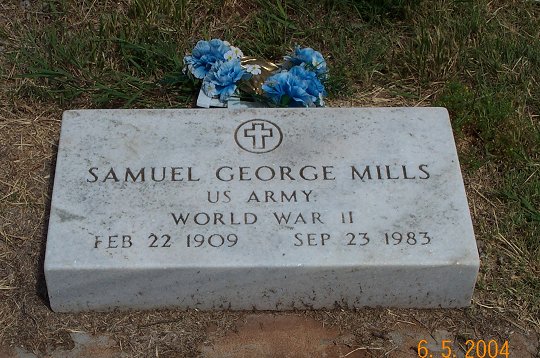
point(269, 209)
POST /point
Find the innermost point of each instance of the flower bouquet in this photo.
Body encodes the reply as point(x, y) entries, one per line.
point(227, 75)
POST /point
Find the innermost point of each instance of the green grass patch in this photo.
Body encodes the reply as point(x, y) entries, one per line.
point(117, 57)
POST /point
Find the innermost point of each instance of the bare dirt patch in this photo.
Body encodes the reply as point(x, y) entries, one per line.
point(280, 335)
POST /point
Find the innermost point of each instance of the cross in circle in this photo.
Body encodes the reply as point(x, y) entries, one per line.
point(259, 134)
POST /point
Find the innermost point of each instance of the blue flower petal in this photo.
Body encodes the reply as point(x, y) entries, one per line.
point(310, 58)
point(204, 55)
point(225, 75)
point(301, 86)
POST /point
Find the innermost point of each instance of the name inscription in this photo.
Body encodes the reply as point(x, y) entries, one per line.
point(263, 173)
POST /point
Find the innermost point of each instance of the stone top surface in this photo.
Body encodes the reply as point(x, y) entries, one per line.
point(393, 172)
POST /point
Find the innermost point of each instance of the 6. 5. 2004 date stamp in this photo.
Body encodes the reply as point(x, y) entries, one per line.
point(473, 349)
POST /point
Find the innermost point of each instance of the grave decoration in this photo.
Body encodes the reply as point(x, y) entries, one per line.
point(225, 73)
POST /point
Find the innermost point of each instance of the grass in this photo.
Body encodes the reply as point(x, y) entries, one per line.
point(117, 60)
point(480, 59)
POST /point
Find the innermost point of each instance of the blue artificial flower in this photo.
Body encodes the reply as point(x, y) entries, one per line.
point(222, 78)
point(205, 55)
point(314, 85)
point(311, 58)
point(287, 89)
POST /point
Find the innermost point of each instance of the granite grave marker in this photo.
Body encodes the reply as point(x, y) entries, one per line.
point(268, 209)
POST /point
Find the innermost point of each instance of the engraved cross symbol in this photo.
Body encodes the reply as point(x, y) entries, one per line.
point(259, 134)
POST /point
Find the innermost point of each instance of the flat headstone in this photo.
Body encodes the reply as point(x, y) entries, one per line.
point(268, 209)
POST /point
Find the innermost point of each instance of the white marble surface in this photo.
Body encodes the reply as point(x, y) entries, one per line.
point(98, 254)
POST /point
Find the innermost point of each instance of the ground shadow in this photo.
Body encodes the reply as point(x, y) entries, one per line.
point(41, 284)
